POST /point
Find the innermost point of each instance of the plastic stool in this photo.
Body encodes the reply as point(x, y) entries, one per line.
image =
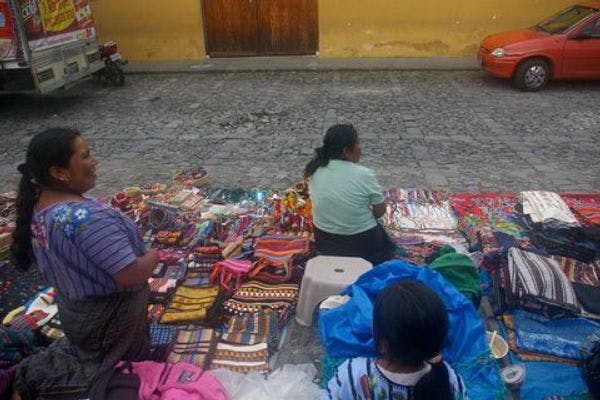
point(323, 277)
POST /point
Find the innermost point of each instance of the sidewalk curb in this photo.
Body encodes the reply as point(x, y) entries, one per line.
point(306, 63)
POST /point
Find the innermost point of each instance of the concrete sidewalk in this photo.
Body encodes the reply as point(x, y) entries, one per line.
point(304, 63)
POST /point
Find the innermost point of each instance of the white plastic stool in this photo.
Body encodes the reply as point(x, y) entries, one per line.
point(323, 277)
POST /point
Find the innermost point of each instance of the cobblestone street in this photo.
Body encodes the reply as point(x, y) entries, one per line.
point(463, 131)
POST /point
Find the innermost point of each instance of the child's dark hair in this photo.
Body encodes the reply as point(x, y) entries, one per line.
point(337, 139)
point(52, 147)
point(410, 324)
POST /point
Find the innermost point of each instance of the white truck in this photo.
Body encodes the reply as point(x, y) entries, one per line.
point(47, 44)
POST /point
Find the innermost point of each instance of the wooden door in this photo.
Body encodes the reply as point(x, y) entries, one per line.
point(230, 27)
point(287, 27)
point(260, 27)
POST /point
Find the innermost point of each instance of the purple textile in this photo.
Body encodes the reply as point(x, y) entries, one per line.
point(79, 246)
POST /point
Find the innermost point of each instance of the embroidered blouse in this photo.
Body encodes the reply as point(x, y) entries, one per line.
point(362, 379)
point(79, 246)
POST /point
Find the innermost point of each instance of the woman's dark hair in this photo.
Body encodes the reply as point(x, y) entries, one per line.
point(411, 323)
point(52, 147)
point(337, 139)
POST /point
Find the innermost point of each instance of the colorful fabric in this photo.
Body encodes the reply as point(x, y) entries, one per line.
point(586, 207)
point(53, 329)
point(79, 246)
point(262, 327)
point(15, 345)
point(459, 270)
point(342, 194)
point(481, 215)
point(181, 381)
point(254, 296)
point(192, 345)
point(240, 358)
point(189, 305)
point(547, 208)
point(155, 312)
point(280, 249)
point(161, 335)
point(361, 378)
point(580, 272)
point(563, 337)
point(419, 209)
point(536, 279)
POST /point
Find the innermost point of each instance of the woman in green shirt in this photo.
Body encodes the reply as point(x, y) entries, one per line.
point(346, 198)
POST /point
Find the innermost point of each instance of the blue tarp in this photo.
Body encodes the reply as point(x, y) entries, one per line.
point(346, 331)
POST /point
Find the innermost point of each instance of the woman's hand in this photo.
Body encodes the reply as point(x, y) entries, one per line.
point(138, 271)
point(379, 210)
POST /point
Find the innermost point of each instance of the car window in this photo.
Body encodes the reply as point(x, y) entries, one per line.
point(592, 29)
point(566, 19)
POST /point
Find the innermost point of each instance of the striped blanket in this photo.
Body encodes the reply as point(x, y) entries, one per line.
point(538, 282)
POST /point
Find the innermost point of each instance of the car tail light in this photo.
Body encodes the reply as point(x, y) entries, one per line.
point(45, 75)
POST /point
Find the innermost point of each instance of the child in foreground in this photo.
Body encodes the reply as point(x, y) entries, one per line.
point(410, 325)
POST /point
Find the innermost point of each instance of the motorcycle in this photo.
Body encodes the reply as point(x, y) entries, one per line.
point(113, 64)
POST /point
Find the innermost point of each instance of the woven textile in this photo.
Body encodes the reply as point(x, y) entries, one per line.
point(419, 209)
point(242, 359)
point(280, 248)
point(254, 296)
point(580, 272)
point(189, 305)
point(537, 334)
point(481, 215)
point(537, 279)
point(53, 329)
point(192, 345)
point(262, 327)
point(161, 335)
point(586, 207)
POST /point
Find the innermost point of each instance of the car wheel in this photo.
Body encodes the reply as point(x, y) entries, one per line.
point(532, 74)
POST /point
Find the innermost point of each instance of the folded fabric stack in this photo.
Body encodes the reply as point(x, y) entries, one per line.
point(536, 283)
point(555, 229)
point(241, 358)
point(249, 329)
point(203, 258)
point(189, 305)
point(534, 337)
point(192, 345)
point(254, 296)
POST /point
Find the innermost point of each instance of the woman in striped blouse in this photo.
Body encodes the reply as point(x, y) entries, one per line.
point(92, 255)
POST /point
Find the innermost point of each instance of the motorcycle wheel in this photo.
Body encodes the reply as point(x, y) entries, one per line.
point(115, 74)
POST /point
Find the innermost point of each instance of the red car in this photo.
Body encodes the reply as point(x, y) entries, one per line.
point(566, 45)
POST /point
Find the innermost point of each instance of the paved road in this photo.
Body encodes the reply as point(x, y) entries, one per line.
point(462, 131)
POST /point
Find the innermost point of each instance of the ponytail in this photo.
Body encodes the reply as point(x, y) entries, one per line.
point(52, 147)
point(319, 160)
point(435, 384)
point(21, 248)
point(337, 139)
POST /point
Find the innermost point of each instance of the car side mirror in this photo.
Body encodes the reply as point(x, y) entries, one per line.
point(581, 36)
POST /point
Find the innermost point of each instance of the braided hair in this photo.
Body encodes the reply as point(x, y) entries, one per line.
point(50, 148)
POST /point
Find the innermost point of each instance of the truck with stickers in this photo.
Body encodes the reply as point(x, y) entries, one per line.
point(47, 44)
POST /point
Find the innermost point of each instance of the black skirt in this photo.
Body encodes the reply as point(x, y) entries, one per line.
point(373, 245)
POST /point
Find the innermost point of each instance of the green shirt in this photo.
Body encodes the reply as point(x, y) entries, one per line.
point(341, 194)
